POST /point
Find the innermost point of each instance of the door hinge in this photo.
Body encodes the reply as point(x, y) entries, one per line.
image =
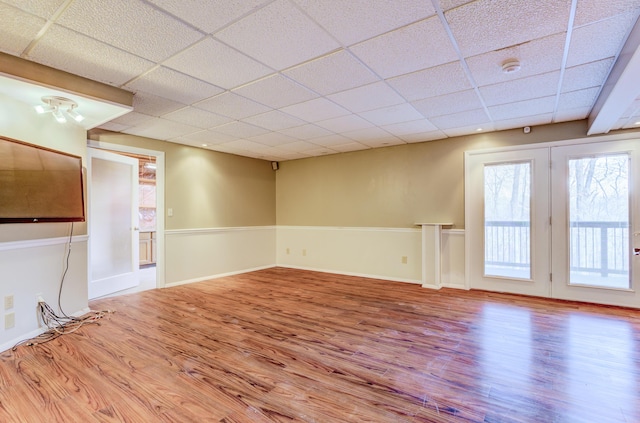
point(550, 277)
point(549, 220)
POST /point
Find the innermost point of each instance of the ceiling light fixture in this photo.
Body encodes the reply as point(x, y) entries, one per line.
point(56, 105)
point(511, 66)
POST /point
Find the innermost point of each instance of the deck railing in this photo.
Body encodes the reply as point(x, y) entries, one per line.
point(595, 247)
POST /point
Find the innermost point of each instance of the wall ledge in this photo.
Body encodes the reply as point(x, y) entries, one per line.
point(35, 243)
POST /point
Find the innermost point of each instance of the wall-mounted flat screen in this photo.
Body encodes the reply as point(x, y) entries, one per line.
point(38, 184)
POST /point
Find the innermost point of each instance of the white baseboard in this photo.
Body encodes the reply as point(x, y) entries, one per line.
point(217, 276)
point(360, 275)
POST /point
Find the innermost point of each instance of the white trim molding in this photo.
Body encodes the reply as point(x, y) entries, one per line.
point(36, 243)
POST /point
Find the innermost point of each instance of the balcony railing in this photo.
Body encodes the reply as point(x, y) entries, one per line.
point(595, 247)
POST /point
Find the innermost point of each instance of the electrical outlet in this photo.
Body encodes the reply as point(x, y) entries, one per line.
point(404, 259)
point(9, 320)
point(39, 299)
point(8, 302)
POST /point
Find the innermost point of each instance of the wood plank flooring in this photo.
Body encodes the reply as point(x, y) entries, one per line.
point(283, 345)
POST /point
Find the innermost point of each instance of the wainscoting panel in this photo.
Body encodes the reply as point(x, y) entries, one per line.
point(35, 267)
point(194, 255)
point(386, 253)
point(453, 258)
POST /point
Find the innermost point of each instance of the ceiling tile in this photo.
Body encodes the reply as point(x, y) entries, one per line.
point(114, 127)
point(488, 25)
point(344, 123)
point(132, 119)
point(586, 76)
point(470, 118)
point(459, 131)
point(535, 57)
point(246, 145)
point(18, 29)
point(208, 137)
point(42, 8)
point(153, 105)
point(572, 114)
point(232, 105)
point(383, 142)
point(521, 89)
point(197, 117)
point(278, 35)
point(114, 21)
point(589, 11)
point(357, 20)
point(332, 140)
point(368, 97)
point(306, 132)
point(274, 120)
point(432, 82)
point(72, 52)
point(332, 73)
point(322, 151)
point(543, 119)
point(397, 52)
point(273, 139)
point(598, 41)
point(452, 4)
point(368, 134)
point(393, 114)
point(212, 61)
point(525, 108)
point(448, 104)
point(411, 127)
point(316, 110)
point(240, 129)
point(209, 15)
point(352, 146)
point(174, 85)
point(298, 146)
point(161, 129)
point(578, 99)
point(276, 91)
point(423, 136)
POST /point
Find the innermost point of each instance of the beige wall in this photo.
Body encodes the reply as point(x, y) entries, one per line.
point(207, 189)
point(395, 186)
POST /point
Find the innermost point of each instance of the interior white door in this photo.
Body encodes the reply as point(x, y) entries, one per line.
point(507, 221)
point(113, 223)
point(595, 215)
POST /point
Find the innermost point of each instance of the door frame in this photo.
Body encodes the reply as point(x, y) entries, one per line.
point(469, 250)
point(160, 201)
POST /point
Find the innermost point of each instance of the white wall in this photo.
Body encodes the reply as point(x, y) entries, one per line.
point(32, 254)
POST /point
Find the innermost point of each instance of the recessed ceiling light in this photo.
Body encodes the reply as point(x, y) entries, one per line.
point(205, 145)
point(637, 123)
point(479, 130)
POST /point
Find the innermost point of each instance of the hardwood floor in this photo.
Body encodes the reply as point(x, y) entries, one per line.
point(283, 345)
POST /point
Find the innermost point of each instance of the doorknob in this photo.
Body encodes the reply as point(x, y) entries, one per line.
point(636, 251)
point(136, 229)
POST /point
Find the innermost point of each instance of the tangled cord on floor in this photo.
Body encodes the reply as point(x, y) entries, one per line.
point(60, 325)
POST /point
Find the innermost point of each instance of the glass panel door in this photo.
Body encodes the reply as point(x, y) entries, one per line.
point(594, 213)
point(599, 221)
point(507, 221)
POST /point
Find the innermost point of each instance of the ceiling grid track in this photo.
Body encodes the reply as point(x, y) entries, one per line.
point(565, 56)
point(463, 62)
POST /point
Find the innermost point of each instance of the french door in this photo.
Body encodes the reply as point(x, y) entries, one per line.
point(555, 221)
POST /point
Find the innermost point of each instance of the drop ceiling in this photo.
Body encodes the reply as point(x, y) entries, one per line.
point(288, 79)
